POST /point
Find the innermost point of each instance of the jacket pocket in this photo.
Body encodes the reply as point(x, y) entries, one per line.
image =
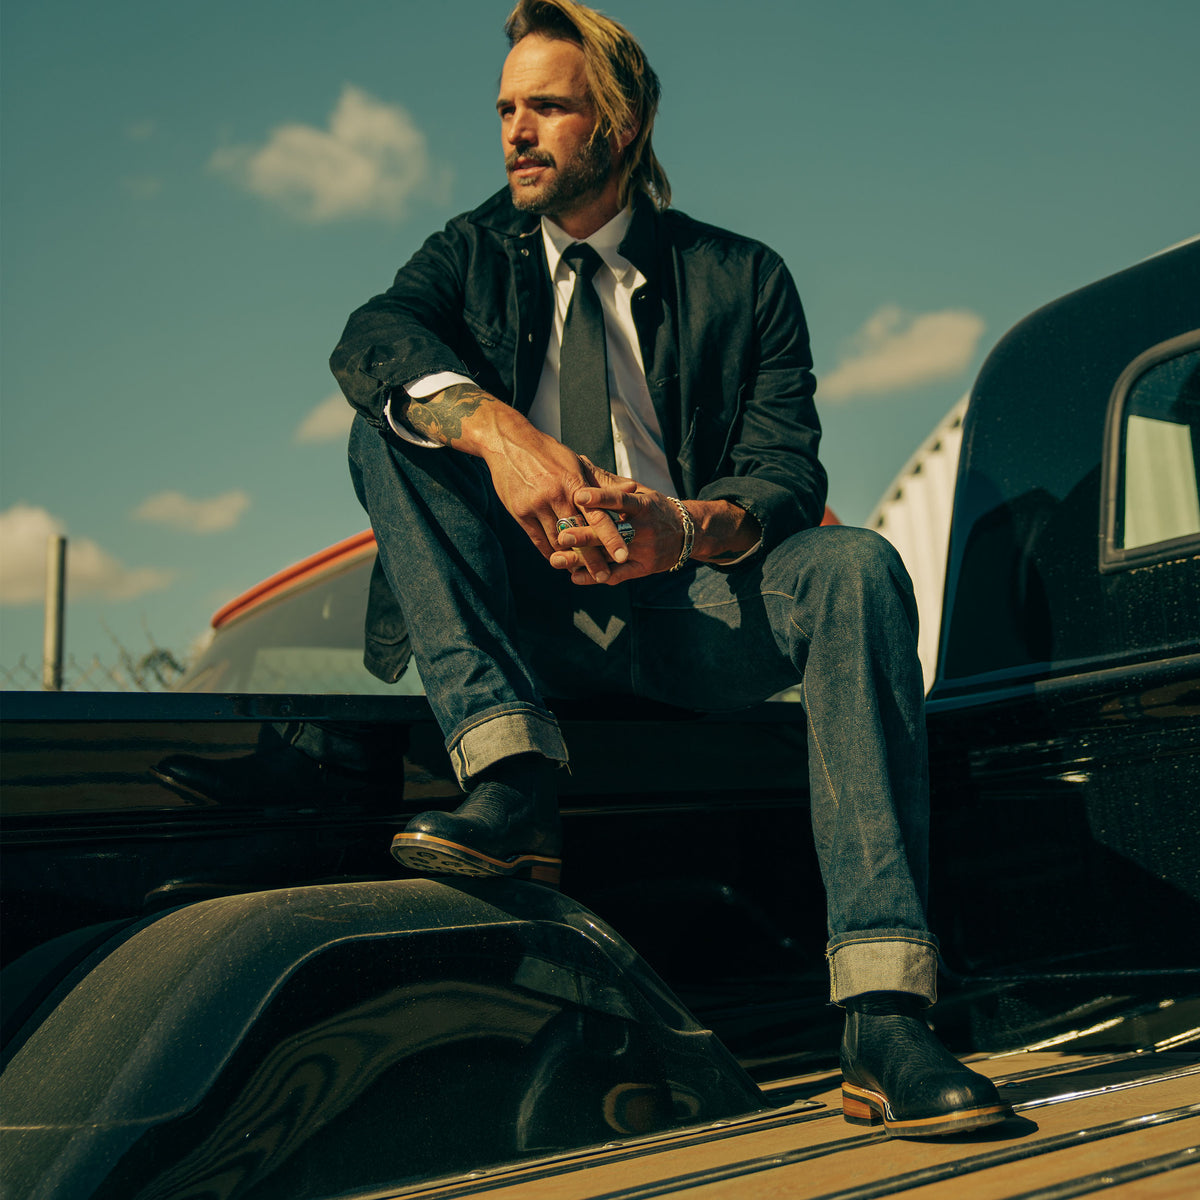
point(486, 334)
point(489, 355)
point(709, 440)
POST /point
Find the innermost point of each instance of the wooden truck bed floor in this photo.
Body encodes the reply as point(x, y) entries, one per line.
point(1124, 1124)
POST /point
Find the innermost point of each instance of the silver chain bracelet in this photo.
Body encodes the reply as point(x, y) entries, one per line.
point(689, 534)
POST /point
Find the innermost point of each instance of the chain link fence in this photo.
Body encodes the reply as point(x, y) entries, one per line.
point(156, 671)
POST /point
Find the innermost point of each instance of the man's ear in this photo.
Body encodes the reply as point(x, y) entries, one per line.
point(626, 136)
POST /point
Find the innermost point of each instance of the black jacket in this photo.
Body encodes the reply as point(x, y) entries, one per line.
point(720, 325)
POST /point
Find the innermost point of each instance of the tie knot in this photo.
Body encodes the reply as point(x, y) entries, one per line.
point(582, 259)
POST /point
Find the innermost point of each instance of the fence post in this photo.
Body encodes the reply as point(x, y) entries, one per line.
point(52, 641)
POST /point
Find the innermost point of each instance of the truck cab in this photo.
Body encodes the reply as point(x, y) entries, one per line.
point(1065, 715)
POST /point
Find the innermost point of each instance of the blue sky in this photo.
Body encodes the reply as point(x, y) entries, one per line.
point(196, 196)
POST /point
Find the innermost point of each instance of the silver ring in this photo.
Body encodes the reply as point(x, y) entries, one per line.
point(568, 523)
point(623, 527)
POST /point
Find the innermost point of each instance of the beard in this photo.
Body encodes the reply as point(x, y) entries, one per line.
point(583, 175)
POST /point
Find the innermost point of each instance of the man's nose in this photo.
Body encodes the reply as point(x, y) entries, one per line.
point(521, 129)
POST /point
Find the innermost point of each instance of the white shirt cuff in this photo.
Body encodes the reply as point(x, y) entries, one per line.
point(421, 389)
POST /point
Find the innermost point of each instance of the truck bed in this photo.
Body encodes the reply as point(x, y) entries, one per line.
point(1085, 1123)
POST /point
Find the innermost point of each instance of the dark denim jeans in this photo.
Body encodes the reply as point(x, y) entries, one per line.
point(494, 629)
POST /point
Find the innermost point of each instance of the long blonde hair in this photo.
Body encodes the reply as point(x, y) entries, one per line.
point(623, 85)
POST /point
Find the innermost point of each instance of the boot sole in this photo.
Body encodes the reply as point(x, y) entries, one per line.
point(436, 856)
point(863, 1107)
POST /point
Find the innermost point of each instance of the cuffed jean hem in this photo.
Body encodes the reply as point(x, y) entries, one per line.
point(884, 960)
point(490, 737)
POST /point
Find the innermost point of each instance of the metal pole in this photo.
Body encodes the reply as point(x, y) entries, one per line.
point(56, 586)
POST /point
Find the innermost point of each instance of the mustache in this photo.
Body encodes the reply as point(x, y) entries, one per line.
point(542, 157)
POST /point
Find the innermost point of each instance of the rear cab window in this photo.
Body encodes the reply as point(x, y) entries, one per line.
point(1152, 463)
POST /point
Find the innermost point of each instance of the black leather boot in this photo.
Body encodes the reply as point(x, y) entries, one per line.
point(507, 826)
point(896, 1073)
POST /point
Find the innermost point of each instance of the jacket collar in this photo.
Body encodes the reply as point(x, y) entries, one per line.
point(639, 244)
point(498, 214)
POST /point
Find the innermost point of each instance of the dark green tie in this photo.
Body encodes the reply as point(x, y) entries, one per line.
point(583, 365)
point(601, 613)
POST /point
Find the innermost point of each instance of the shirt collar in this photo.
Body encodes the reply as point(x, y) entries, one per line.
point(604, 241)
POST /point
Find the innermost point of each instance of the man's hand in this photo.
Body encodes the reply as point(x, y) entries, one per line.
point(723, 531)
point(537, 479)
point(541, 482)
point(535, 476)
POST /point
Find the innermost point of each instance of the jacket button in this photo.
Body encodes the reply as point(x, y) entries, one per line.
point(524, 252)
point(529, 337)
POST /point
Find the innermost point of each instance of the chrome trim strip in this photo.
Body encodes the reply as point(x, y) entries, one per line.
point(1085, 1185)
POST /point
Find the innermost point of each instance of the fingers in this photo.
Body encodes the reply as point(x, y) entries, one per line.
point(599, 504)
point(602, 525)
point(586, 565)
point(584, 540)
point(606, 479)
point(573, 549)
point(610, 495)
point(605, 531)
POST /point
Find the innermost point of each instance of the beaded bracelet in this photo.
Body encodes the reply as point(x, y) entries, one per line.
point(689, 534)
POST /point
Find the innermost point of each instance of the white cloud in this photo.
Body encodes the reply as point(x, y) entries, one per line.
point(142, 187)
point(370, 162)
point(895, 350)
point(194, 516)
point(91, 571)
point(328, 422)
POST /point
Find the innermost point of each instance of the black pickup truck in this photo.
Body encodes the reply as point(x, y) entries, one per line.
point(217, 983)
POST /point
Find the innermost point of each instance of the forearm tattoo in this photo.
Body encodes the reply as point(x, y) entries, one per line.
point(441, 416)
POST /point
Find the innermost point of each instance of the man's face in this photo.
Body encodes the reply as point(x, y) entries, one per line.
point(546, 120)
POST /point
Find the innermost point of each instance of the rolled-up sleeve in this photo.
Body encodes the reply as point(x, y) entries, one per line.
point(407, 333)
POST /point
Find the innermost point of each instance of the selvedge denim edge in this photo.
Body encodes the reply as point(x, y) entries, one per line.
point(884, 960)
point(510, 730)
